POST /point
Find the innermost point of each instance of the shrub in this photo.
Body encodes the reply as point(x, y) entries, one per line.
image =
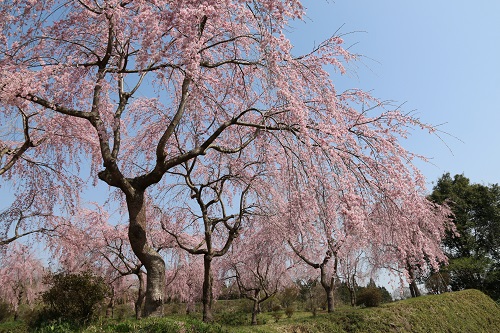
point(5, 311)
point(72, 298)
point(277, 314)
point(289, 311)
point(369, 297)
point(289, 296)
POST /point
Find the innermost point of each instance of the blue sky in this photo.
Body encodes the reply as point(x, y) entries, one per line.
point(440, 58)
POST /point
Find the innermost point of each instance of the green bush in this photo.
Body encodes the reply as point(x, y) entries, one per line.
point(5, 311)
point(277, 314)
point(14, 327)
point(369, 297)
point(289, 311)
point(72, 298)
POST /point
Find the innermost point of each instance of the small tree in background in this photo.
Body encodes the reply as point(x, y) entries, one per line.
point(21, 275)
point(369, 297)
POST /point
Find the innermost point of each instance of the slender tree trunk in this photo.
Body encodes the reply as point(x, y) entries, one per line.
point(413, 285)
point(16, 311)
point(110, 309)
point(255, 311)
point(207, 289)
point(149, 257)
point(256, 307)
point(328, 285)
point(414, 289)
point(141, 295)
point(352, 293)
point(352, 289)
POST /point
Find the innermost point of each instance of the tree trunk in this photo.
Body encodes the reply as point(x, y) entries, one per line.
point(413, 285)
point(256, 306)
point(207, 289)
point(352, 293)
point(149, 257)
point(255, 311)
point(414, 289)
point(141, 295)
point(328, 286)
point(110, 309)
point(329, 299)
point(16, 311)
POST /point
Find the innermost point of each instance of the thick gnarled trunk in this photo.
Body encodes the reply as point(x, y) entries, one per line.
point(207, 289)
point(149, 257)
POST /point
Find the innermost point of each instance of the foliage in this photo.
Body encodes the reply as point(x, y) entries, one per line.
point(369, 297)
point(289, 311)
point(277, 315)
point(475, 254)
point(21, 275)
point(288, 296)
point(386, 296)
point(311, 294)
point(73, 298)
point(5, 311)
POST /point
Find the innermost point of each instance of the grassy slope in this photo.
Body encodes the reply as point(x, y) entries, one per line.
point(468, 311)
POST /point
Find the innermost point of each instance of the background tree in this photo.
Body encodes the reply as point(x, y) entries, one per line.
point(475, 254)
point(422, 236)
point(213, 223)
point(258, 262)
point(352, 268)
point(21, 276)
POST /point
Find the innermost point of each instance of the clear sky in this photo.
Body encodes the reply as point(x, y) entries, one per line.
point(440, 58)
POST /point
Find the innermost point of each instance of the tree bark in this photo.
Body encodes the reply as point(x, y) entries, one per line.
point(328, 285)
point(413, 285)
point(255, 311)
point(352, 293)
point(414, 289)
point(149, 257)
point(256, 307)
point(141, 295)
point(352, 290)
point(207, 289)
point(110, 309)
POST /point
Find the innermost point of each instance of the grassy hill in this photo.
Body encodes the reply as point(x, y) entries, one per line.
point(468, 311)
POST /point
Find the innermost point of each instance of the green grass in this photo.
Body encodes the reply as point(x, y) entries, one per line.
point(468, 311)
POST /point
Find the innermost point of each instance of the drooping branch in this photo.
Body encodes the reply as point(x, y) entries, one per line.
point(16, 153)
